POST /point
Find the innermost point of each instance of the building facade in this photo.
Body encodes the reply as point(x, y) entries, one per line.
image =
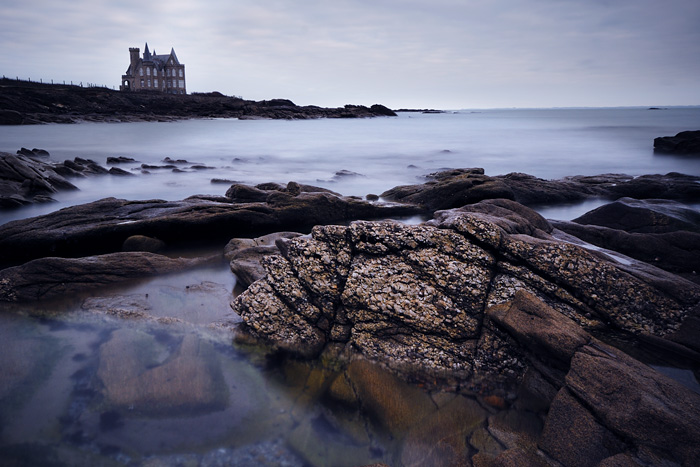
point(160, 73)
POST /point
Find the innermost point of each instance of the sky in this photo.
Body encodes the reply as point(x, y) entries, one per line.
point(444, 54)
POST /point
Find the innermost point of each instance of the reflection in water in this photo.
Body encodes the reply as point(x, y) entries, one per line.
point(149, 375)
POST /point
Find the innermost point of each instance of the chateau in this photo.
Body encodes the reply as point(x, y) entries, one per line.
point(162, 73)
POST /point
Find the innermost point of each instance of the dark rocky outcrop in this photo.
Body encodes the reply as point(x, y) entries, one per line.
point(685, 142)
point(103, 226)
point(245, 255)
point(30, 103)
point(455, 188)
point(660, 232)
point(46, 278)
point(414, 296)
point(609, 408)
point(491, 289)
point(25, 180)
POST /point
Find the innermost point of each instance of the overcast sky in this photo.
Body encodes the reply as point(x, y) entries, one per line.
point(402, 53)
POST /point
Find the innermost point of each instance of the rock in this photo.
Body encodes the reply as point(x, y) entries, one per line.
point(659, 232)
point(120, 160)
point(120, 172)
point(143, 243)
point(102, 226)
point(24, 180)
point(574, 437)
point(658, 416)
point(451, 189)
point(441, 437)
point(245, 255)
point(378, 109)
point(685, 142)
point(136, 376)
point(46, 278)
point(643, 216)
point(26, 103)
point(458, 187)
point(415, 297)
point(388, 400)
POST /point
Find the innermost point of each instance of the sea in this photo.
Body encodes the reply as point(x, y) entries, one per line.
point(79, 386)
point(357, 156)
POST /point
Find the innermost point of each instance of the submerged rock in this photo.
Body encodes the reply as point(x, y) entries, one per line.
point(46, 278)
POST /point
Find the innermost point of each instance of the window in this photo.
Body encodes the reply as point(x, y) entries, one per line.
point(182, 83)
point(155, 82)
point(140, 71)
point(148, 71)
point(149, 82)
point(180, 72)
point(141, 83)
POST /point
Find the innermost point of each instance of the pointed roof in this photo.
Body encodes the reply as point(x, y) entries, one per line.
point(146, 53)
point(172, 54)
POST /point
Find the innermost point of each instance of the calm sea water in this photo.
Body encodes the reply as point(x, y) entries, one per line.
point(78, 387)
point(383, 152)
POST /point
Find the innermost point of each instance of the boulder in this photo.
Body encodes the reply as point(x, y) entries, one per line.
point(143, 243)
point(458, 187)
point(660, 232)
point(46, 278)
point(415, 296)
point(245, 255)
point(25, 180)
point(643, 216)
point(685, 142)
point(103, 226)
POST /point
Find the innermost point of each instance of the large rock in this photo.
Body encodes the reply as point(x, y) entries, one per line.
point(103, 226)
point(458, 187)
point(245, 255)
point(414, 296)
point(660, 232)
point(609, 404)
point(643, 216)
point(52, 277)
point(25, 180)
point(685, 142)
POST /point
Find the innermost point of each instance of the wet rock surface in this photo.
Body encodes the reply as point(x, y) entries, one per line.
point(52, 277)
point(415, 295)
point(103, 226)
point(489, 289)
point(685, 142)
point(659, 232)
point(455, 188)
point(26, 180)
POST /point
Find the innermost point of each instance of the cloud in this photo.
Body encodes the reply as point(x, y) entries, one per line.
point(399, 52)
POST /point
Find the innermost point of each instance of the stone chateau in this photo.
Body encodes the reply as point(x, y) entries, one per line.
point(162, 73)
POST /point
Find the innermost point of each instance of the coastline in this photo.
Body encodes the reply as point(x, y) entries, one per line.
point(24, 103)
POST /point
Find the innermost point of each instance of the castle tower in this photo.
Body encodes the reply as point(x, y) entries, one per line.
point(146, 53)
point(134, 55)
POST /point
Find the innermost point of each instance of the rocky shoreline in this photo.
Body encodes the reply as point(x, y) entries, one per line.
point(487, 294)
point(24, 103)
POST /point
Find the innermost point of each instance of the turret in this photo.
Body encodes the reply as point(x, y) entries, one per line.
point(134, 54)
point(146, 53)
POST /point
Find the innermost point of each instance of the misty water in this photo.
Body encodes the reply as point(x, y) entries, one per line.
point(161, 382)
point(383, 152)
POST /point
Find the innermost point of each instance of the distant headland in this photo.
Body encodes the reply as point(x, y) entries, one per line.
point(25, 103)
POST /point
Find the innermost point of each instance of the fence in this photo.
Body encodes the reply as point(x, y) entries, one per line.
point(57, 83)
